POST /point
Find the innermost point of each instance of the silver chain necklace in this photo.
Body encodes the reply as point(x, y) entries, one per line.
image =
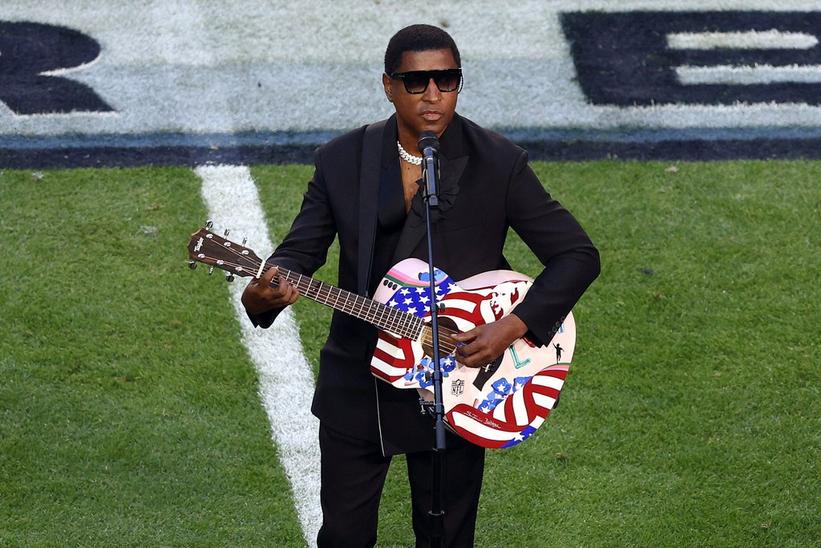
point(407, 156)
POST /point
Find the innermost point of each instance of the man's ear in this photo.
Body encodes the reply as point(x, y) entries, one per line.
point(387, 84)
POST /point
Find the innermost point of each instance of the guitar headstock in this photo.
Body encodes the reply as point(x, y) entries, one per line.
point(219, 252)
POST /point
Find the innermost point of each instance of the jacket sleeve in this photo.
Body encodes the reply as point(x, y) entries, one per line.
point(571, 261)
point(305, 247)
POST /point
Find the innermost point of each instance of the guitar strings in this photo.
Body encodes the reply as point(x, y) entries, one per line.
point(445, 343)
point(403, 323)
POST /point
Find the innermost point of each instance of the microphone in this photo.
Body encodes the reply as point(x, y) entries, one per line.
point(428, 145)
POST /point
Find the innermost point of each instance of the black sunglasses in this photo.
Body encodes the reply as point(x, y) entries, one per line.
point(416, 81)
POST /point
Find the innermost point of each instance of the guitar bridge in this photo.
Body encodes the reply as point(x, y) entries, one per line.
point(425, 406)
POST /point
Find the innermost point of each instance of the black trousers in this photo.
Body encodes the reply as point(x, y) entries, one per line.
point(353, 474)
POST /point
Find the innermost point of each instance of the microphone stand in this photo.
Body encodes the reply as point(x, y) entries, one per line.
point(430, 177)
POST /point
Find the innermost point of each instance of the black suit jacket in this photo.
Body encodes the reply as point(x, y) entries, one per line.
point(487, 187)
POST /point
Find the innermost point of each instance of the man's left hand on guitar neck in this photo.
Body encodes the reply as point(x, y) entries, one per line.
point(485, 343)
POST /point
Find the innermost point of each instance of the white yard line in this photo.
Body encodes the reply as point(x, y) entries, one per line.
point(286, 383)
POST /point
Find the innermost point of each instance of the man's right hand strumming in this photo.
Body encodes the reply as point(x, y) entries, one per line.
point(261, 296)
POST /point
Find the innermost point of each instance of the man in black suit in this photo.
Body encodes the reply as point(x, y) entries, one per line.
point(365, 191)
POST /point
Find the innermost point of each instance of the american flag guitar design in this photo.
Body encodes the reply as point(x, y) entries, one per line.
point(497, 405)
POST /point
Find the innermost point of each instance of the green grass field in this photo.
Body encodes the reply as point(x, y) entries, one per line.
point(129, 411)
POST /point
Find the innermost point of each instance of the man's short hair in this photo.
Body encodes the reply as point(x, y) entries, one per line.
point(418, 38)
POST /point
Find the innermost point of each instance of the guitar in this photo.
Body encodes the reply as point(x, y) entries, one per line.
point(497, 405)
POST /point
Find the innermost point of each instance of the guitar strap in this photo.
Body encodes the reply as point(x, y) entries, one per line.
point(369, 174)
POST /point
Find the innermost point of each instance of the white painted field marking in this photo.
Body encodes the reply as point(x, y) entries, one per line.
point(770, 39)
point(748, 75)
point(744, 74)
point(286, 383)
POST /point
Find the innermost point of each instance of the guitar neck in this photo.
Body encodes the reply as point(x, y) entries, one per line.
point(382, 316)
point(236, 259)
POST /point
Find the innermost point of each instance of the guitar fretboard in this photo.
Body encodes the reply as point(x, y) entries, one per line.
point(382, 316)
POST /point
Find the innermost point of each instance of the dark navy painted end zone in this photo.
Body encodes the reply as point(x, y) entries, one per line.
point(72, 157)
point(576, 150)
point(694, 150)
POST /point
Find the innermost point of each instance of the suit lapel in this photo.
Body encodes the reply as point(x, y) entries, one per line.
point(373, 154)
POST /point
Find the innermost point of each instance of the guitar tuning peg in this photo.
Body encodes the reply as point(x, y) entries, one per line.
point(192, 264)
point(229, 277)
point(210, 270)
point(226, 233)
point(209, 224)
